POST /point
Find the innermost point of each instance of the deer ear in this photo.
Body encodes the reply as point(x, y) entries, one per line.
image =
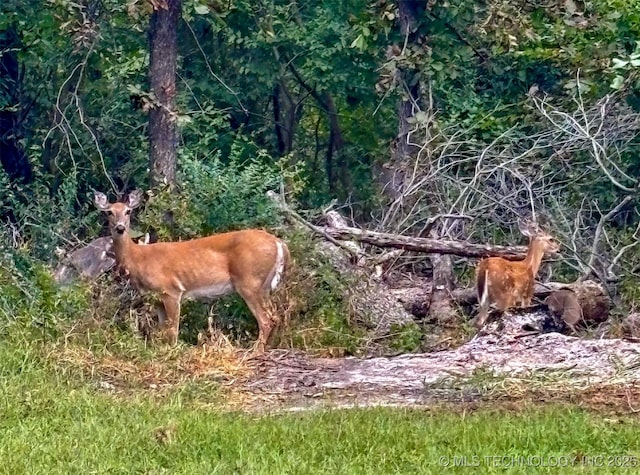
point(134, 198)
point(528, 228)
point(101, 201)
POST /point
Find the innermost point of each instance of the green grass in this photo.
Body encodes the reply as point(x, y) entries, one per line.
point(52, 423)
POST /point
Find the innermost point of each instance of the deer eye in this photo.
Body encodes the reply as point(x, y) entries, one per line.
point(128, 212)
point(110, 213)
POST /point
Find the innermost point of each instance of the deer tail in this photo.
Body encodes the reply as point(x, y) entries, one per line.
point(279, 266)
point(482, 288)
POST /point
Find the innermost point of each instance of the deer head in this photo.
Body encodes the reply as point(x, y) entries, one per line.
point(538, 238)
point(119, 214)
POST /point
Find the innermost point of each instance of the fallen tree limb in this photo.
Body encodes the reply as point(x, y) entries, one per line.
point(431, 246)
point(316, 229)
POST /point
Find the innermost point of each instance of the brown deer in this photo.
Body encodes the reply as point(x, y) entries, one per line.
point(505, 283)
point(250, 262)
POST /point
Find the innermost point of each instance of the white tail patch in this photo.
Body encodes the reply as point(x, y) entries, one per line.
point(279, 265)
point(484, 299)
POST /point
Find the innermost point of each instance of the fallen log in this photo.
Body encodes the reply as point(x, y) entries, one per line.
point(427, 245)
point(87, 262)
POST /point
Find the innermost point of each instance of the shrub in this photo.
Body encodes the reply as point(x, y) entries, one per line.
point(316, 308)
point(30, 297)
point(214, 197)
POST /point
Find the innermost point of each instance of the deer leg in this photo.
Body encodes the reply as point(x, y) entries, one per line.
point(255, 301)
point(171, 322)
point(481, 318)
point(483, 313)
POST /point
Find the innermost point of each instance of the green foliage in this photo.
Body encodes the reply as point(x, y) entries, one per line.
point(30, 298)
point(319, 315)
point(214, 197)
point(405, 338)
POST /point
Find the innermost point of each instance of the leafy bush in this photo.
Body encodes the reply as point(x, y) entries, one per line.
point(405, 338)
point(316, 313)
point(37, 222)
point(30, 297)
point(214, 197)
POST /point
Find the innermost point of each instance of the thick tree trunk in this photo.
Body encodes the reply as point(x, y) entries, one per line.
point(163, 135)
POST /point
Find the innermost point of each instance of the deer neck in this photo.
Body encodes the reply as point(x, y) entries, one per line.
point(123, 247)
point(534, 256)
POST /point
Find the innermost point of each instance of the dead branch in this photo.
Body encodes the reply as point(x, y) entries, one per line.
point(590, 266)
point(316, 229)
point(427, 245)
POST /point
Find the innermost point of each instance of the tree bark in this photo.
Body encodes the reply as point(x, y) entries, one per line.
point(163, 134)
point(285, 114)
point(335, 147)
point(409, 19)
point(441, 305)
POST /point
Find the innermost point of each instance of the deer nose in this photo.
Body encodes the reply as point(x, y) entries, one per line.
point(120, 229)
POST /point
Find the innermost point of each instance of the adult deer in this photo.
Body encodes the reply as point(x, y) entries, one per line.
point(505, 283)
point(250, 262)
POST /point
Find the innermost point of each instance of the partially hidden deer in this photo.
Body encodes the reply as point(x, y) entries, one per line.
point(504, 283)
point(251, 262)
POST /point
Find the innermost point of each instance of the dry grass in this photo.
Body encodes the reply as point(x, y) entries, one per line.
point(616, 396)
point(157, 370)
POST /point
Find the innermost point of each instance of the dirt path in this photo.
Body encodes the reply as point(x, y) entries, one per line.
point(506, 365)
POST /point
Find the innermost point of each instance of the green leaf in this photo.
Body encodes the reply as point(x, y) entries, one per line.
point(617, 83)
point(619, 63)
point(201, 9)
point(358, 43)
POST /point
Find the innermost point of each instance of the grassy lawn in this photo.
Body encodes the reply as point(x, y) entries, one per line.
point(55, 423)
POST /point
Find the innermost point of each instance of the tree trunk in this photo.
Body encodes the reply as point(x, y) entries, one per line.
point(285, 111)
point(441, 305)
point(335, 148)
point(409, 18)
point(336, 140)
point(163, 135)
